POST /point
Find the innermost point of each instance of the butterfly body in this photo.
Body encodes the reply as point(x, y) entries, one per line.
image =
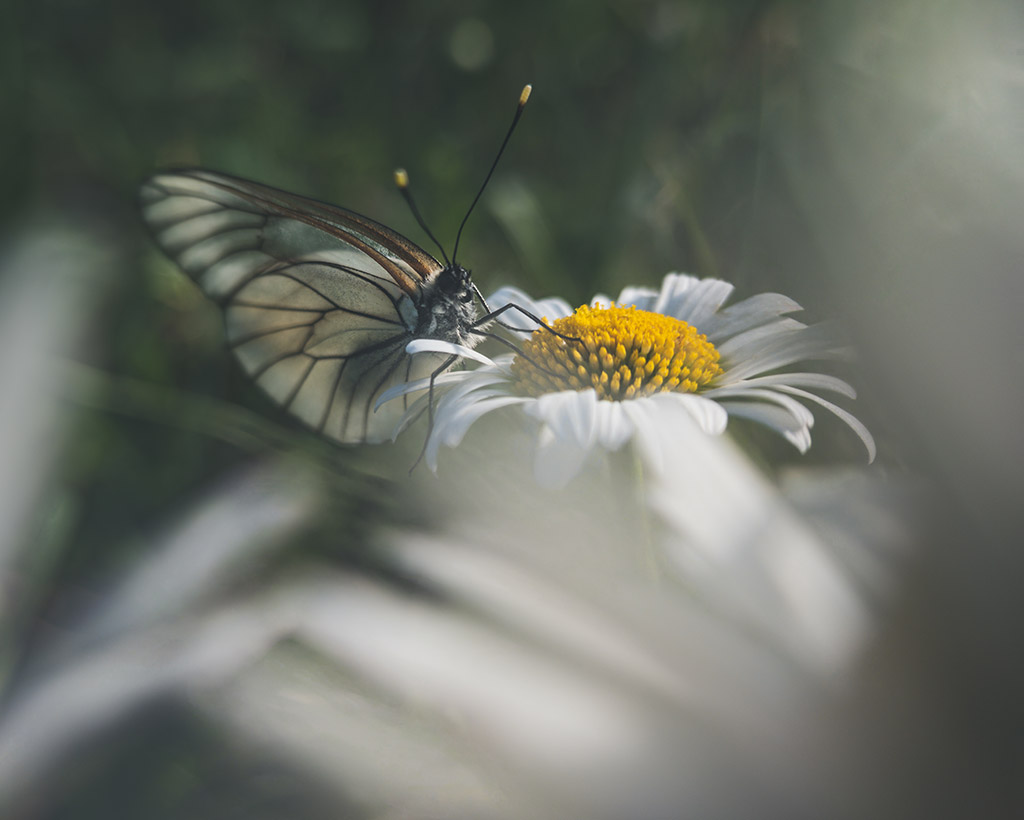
point(319, 302)
point(446, 310)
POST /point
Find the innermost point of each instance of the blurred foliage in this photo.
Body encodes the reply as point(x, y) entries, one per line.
point(642, 147)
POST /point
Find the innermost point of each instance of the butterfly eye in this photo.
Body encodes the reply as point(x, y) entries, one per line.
point(452, 281)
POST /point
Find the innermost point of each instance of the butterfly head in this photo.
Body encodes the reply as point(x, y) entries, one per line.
point(446, 309)
point(454, 281)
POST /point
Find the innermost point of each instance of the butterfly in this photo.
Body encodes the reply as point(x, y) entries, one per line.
point(319, 302)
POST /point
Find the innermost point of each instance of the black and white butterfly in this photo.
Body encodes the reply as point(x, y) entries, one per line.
point(319, 302)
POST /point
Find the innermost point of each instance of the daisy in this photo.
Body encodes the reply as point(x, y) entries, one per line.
point(615, 366)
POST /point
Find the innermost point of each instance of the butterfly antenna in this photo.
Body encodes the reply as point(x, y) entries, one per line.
point(402, 181)
point(523, 97)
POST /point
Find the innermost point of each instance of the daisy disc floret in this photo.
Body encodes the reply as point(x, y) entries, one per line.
point(621, 352)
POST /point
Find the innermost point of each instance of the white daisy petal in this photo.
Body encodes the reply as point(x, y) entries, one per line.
point(801, 439)
point(757, 310)
point(569, 414)
point(456, 423)
point(802, 415)
point(614, 427)
point(709, 415)
point(750, 341)
point(851, 421)
point(438, 346)
point(558, 460)
point(471, 381)
point(419, 384)
point(416, 409)
point(692, 300)
point(478, 382)
point(412, 413)
point(510, 296)
point(776, 418)
point(668, 423)
point(819, 381)
point(773, 416)
point(645, 417)
point(673, 292)
point(479, 393)
point(503, 361)
point(552, 308)
point(641, 298)
point(450, 428)
point(780, 348)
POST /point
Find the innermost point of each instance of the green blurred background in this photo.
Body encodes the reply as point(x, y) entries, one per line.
point(849, 155)
point(649, 145)
point(643, 150)
point(659, 137)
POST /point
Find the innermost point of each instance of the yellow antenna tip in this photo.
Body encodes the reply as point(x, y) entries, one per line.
point(401, 178)
point(525, 95)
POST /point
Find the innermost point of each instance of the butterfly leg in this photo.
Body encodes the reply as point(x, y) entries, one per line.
point(488, 335)
point(430, 407)
point(492, 316)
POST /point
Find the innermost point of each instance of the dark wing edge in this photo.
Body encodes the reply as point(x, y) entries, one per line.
point(184, 208)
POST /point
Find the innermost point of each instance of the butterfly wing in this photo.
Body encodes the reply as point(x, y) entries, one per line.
point(318, 301)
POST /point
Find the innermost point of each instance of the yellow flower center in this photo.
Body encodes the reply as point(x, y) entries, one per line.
point(623, 353)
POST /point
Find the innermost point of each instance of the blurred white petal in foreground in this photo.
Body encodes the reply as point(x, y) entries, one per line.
point(48, 280)
point(536, 665)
